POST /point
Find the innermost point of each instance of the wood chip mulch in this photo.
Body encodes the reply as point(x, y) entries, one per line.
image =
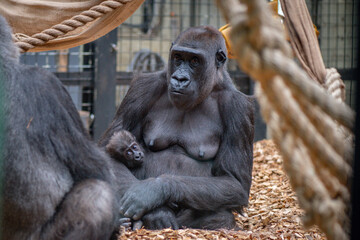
point(273, 212)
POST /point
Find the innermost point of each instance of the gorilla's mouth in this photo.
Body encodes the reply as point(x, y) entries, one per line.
point(139, 158)
point(177, 92)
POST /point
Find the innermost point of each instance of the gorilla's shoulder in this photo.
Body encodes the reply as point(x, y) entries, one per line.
point(234, 102)
point(151, 78)
point(247, 99)
point(44, 83)
point(38, 76)
point(229, 93)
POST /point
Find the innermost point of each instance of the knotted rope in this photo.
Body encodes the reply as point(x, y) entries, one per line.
point(334, 85)
point(301, 116)
point(26, 43)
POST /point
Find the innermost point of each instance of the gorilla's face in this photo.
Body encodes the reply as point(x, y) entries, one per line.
point(184, 82)
point(195, 59)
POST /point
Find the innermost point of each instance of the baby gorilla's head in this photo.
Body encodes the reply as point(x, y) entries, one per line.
point(124, 148)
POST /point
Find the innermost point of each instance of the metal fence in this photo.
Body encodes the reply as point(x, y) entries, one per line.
point(338, 23)
point(143, 43)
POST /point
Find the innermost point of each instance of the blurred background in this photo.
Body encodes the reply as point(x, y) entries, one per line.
point(97, 75)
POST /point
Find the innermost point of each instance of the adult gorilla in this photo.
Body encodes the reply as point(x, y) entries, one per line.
point(57, 183)
point(197, 131)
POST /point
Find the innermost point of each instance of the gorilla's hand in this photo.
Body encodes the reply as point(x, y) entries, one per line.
point(142, 197)
point(127, 224)
point(137, 225)
point(124, 222)
point(160, 218)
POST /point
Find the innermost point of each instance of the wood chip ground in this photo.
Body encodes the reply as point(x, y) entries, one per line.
point(273, 212)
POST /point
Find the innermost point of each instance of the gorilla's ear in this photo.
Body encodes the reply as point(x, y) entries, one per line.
point(220, 58)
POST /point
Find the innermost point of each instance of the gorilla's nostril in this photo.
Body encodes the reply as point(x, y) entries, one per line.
point(185, 83)
point(182, 80)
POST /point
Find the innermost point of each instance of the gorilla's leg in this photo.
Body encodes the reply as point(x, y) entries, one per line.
point(87, 212)
point(210, 220)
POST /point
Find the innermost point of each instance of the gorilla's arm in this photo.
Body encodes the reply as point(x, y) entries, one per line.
point(145, 89)
point(230, 186)
point(54, 126)
point(83, 163)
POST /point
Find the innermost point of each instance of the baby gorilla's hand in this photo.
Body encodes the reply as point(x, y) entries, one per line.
point(160, 218)
point(137, 225)
point(125, 223)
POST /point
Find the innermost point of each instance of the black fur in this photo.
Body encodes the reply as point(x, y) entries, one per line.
point(57, 184)
point(197, 131)
point(124, 148)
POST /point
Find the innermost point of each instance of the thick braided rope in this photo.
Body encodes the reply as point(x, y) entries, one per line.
point(334, 85)
point(318, 188)
point(26, 43)
point(301, 115)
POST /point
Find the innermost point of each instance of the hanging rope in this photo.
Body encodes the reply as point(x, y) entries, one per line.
point(61, 24)
point(301, 116)
point(25, 42)
point(334, 85)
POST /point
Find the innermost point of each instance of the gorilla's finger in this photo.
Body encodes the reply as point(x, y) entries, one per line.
point(125, 204)
point(134, 212)
point(174, 224)
point(122, 202)
point(138, 213)
point(124, 220)
point(137, 225)
point(129, 213)
point(122, 210)
point(126, 225)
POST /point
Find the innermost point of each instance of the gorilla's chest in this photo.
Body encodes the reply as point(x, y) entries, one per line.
point(196, 132)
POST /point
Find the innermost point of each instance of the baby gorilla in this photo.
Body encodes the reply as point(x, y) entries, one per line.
point(124, 148)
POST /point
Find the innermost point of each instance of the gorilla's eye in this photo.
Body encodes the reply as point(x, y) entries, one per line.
point(177, 59)
point(128, 152)
point(194, 62)
point(134, 147)
point(220, 56)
